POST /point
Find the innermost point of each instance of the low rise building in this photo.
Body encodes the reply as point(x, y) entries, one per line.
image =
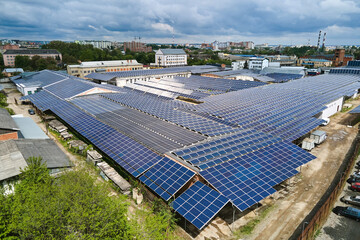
point(258, 63)
point(8, 47)
point(85, 68)
point(9, 72)
point(313, 63)
point(170, 57)
point(10, 55)
point(239, 64)
point(96, 44)
point(136, 47)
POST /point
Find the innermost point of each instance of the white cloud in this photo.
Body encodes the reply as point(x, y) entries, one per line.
point(162, 27)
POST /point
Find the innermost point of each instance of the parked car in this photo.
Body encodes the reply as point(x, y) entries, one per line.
point(355, 186)
point(353, 179)
point(356, 174)
point(349, 212)
point(31, 111)
point(353, 200)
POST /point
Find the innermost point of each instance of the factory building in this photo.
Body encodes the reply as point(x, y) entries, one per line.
point(85, 68)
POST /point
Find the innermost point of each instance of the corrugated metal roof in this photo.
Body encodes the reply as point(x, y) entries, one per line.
point(11, 160)
point(29, 129)
point(51, 154)
point(171, 51)
point(13, 70)
point(6, 121)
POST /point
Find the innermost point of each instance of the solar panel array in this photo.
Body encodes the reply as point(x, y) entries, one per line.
point(249, 178)
point(42, 78)
point(199, 204)
point(62, 90)
point(355, 110)
point(166, 110)
point(166, 178)
point(283, 77)
point(239, 140)
point(354, 63)
point(129, 154)
point(347, 70)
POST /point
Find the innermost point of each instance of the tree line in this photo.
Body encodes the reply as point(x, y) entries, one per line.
point(75, 206)
point(73, 53)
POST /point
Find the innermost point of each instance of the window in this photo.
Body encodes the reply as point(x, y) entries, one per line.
point(29, 92)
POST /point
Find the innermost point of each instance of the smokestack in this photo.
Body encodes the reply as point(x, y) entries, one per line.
point(323, 45)
point(318, 45)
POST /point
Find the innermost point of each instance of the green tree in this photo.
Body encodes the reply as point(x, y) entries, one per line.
point(70, 207)
point(23, 62)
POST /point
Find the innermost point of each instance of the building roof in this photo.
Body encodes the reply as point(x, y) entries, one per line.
point(29, 129)
point(6, 121)
point(316, 60)
point(46, 148)
point(31, 51)
point(11, 160)
point(40, 79)
point(13, 70)
point(107, 63)
point(172, 51)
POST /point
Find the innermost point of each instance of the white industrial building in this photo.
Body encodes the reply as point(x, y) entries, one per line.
point(237, 65)
point(258, 63)
point(170, 57)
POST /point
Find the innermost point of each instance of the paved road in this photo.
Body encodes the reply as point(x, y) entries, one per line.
point(338, 227)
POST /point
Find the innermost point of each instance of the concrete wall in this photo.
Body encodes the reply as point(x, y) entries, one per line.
point(332, 108)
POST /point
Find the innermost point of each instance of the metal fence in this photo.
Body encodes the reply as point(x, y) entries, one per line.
point(308, 228)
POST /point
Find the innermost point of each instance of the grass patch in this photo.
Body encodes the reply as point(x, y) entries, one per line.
point(248, 228)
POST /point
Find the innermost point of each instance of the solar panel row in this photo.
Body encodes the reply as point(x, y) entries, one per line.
point(199, 204)
point(166, 178)
point(249, 178)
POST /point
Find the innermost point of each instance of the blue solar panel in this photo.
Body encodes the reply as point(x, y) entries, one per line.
point(68, 88)
point(166, 177)
point(199, 204)
point(129, 154)
point(248, 179)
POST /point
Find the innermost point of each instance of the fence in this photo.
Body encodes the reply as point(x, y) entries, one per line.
point(315, 221)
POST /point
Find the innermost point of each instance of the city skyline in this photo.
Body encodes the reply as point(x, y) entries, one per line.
point(275, 22)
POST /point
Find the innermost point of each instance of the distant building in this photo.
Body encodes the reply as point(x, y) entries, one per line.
point(246, 45)
point(8, 72)
point(313, 63)
point(96, 44)
point(8, 47)
point(9, 55)
point(258, 63)
point(239, 64)
point(86, 68)
point(136, 47)
point(339, 58)
point(170, 57)
point(264, 45)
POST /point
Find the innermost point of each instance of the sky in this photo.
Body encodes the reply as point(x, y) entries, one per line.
point(287, 22)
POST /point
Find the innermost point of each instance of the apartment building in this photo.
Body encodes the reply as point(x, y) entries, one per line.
point(170, 57)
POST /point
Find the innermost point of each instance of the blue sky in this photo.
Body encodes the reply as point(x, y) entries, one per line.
point(260, 21)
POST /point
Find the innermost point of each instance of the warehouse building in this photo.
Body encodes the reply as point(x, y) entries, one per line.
point(85, 68)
